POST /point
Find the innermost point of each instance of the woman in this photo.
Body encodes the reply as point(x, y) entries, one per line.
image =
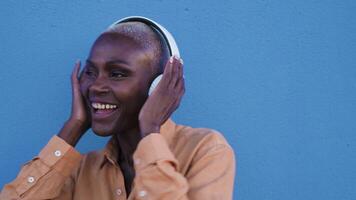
point(148, 155)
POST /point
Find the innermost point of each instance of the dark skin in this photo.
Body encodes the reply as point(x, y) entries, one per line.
point(119, 72)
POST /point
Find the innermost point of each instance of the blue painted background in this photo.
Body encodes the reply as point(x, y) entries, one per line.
point(278, 78)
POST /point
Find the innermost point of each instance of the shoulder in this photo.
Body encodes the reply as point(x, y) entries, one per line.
point(207, 136)
point(201, 141)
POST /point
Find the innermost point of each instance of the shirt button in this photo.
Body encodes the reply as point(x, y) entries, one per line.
point(30, 179)
point(142, 193)
point(57, 153)
point(118, 192)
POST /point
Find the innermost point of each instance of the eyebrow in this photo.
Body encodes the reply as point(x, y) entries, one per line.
point(110, 62)
point(118, 62)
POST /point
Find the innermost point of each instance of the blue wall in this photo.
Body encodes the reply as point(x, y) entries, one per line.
point(278, 78)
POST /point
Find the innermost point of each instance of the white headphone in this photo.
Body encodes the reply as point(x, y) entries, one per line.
point(171, 43)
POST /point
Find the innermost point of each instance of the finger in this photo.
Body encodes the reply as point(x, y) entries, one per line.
point(180, 86)
point(175, 76)
point(180, 82)
point(75, 81)
point(168, 70)
point(180, 71)
point(179, 90)
point(177, 103)
point(75, 86)
point(179, 95)
point(75, 72)
point(181, 67)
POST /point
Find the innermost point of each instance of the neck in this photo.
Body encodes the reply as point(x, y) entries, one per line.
point(127, 142)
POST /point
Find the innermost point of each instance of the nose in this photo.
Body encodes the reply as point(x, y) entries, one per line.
point(99, 87)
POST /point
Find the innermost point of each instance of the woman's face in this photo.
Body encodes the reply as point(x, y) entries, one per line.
point(114, 83)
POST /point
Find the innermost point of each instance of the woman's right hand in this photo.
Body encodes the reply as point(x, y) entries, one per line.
point(79, 111)
point(79, 121)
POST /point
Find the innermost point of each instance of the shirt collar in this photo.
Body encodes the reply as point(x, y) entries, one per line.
point(110, 152)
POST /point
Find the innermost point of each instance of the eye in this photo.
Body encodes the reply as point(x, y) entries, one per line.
point(118, 74)
point(89, 72)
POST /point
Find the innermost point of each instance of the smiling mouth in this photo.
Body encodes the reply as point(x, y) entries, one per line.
point(103, 109)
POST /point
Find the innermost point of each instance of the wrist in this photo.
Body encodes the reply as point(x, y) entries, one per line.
point(72, 131)
point(76, 122)
point(147, 128)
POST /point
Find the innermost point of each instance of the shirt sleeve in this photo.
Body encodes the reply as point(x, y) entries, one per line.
point(211, 175)
point(47, 176)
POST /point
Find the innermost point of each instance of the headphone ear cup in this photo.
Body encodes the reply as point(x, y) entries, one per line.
point(154, 84)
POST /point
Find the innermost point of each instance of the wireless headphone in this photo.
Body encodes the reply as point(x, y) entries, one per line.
point(171, 43)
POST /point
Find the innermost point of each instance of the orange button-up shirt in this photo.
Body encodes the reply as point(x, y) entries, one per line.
point(180, 162)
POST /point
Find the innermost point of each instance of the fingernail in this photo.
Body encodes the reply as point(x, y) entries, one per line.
point(171, 59)
point(78, 61)
point(176, 57)
point(181, 61)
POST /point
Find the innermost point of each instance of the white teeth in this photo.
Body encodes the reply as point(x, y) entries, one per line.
point(103, 106)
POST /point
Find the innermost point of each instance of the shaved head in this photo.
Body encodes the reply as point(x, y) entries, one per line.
point(149, 39)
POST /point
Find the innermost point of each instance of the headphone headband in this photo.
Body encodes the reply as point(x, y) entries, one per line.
point(172, 45)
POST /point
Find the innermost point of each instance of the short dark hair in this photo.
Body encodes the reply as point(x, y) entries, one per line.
point(148, 37)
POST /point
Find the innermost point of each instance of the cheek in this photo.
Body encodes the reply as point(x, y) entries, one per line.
point(131, 95)
point(124, 94)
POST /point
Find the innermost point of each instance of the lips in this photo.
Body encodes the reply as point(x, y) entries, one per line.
point(103, 110)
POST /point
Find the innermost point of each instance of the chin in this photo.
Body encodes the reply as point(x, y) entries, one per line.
point(102, 131)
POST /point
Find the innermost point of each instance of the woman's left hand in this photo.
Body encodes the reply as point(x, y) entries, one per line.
point(165, 98)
